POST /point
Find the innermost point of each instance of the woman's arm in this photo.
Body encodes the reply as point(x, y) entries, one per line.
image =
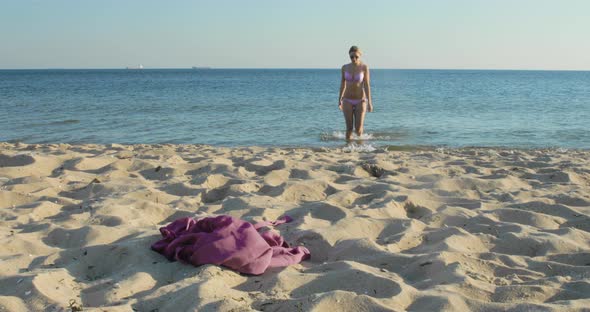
point(367, 86)
point(341, 88)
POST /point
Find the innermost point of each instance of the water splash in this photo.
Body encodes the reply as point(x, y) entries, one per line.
point(341, 135)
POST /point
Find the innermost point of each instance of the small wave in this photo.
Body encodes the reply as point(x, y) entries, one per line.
point(65, 122)
point(353, 147)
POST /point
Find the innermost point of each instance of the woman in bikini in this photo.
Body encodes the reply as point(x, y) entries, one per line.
point(355, 93)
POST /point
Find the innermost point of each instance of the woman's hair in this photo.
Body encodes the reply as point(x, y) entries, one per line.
point(354, 49)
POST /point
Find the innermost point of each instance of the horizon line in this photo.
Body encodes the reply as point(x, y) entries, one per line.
point(199, 68)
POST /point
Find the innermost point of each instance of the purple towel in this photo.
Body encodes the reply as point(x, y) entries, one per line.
point(230, 242)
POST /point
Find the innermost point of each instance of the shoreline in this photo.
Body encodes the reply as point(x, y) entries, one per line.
point(422, 230)
point(377, 148)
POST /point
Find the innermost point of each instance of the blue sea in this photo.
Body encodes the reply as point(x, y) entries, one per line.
point(295, 107)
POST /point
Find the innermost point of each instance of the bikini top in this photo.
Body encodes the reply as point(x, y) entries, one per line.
point(354, 78)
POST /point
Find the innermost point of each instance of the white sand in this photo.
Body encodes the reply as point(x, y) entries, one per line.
point(454, 230)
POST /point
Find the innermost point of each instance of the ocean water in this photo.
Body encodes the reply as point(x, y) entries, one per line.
point(295, 107)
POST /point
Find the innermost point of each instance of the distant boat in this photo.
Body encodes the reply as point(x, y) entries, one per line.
point(201, 67)
point(135, 67)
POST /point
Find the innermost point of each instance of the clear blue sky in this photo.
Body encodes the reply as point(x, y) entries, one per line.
point(496, 34)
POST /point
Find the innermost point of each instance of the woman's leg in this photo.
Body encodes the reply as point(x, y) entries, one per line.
point(359, 117)
point(348, 118)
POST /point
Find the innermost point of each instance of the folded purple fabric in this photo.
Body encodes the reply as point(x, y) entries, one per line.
point(227, 241)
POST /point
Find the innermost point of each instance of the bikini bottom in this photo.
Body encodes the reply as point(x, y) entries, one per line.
point(354, 102)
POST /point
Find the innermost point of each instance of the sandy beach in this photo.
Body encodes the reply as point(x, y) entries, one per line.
point(421, 230)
